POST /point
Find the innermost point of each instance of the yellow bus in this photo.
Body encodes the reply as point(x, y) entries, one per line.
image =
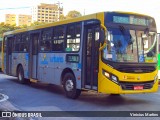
point(108, 52)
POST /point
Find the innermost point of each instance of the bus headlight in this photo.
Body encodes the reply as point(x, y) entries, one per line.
point(114, 79)
point(106, 74)
point(110, 76)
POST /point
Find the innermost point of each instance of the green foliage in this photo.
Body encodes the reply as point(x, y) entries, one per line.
point(7, 27)
point(37, 23)
point(73, 14)
point(62, 17)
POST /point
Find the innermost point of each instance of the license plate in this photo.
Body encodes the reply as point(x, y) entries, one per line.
point(138, 87)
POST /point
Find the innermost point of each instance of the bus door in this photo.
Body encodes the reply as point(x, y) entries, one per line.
point(9, 55)
point(91, 56)
point(33, 61)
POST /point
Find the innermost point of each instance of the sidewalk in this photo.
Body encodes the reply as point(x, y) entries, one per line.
point(7, 106)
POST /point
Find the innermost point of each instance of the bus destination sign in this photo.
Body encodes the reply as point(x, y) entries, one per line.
point(130, 20)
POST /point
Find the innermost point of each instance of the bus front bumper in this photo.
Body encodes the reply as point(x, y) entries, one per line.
point(109, 87)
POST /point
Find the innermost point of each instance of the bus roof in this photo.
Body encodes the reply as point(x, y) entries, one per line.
point(86, 17)
point(134, 13)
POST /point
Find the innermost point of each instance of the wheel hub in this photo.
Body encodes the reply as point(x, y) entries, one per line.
point(69, 85)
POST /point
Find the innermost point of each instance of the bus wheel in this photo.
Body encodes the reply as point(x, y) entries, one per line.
point(70, 86)
point(20, 75)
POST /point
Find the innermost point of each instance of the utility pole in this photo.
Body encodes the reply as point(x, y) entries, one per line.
point(84, 12)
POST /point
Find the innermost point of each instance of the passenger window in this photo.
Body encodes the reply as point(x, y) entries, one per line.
point(16, 43)
point(46, 40)
point(73, 37)
point(59, 35)
point(20, 44)
point(25, 42)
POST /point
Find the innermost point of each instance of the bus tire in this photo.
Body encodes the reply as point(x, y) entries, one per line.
point(20, 75)
point(70, 86)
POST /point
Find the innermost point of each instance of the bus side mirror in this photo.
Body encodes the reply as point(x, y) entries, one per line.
point(102, 36)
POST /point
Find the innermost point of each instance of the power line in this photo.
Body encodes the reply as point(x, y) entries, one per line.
point(14, 8)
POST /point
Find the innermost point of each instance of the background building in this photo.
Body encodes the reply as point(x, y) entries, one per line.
point(18, 19)
point(23, 20)
point(10, 19)
point(46, 12)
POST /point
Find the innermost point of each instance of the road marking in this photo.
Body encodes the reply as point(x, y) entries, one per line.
point(5, 97)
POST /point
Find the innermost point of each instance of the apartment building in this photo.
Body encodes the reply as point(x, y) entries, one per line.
point(10, 19)
point(46, 12)
point(18, 19)
point(23, 20)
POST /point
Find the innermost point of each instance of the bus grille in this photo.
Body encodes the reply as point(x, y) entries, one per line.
point(130, 85)
point(137, 69)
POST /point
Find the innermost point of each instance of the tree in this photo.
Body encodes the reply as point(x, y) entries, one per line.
point(24, 26)
point(73, 14)
point(37, 23)
point(62, 17)
point(7, 27)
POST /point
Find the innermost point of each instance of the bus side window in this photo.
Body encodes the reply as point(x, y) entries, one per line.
point(58, 38)
point(0, 46)
point(73, 37)
point(20, 44)
point(24, 42)
point(17, 42)
point(46, 40)
point(58, 45)
point(5, 44)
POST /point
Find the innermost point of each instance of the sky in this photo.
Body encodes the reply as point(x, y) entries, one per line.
point(148, 7)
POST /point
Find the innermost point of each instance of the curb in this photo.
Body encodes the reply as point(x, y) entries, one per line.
point(3, 97)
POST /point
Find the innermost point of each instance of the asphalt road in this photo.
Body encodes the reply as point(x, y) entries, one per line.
point(42, 97)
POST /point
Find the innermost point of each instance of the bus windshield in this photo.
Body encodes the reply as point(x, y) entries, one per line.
point(130, 46)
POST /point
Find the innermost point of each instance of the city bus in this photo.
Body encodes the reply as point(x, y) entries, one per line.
point(107, 52)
